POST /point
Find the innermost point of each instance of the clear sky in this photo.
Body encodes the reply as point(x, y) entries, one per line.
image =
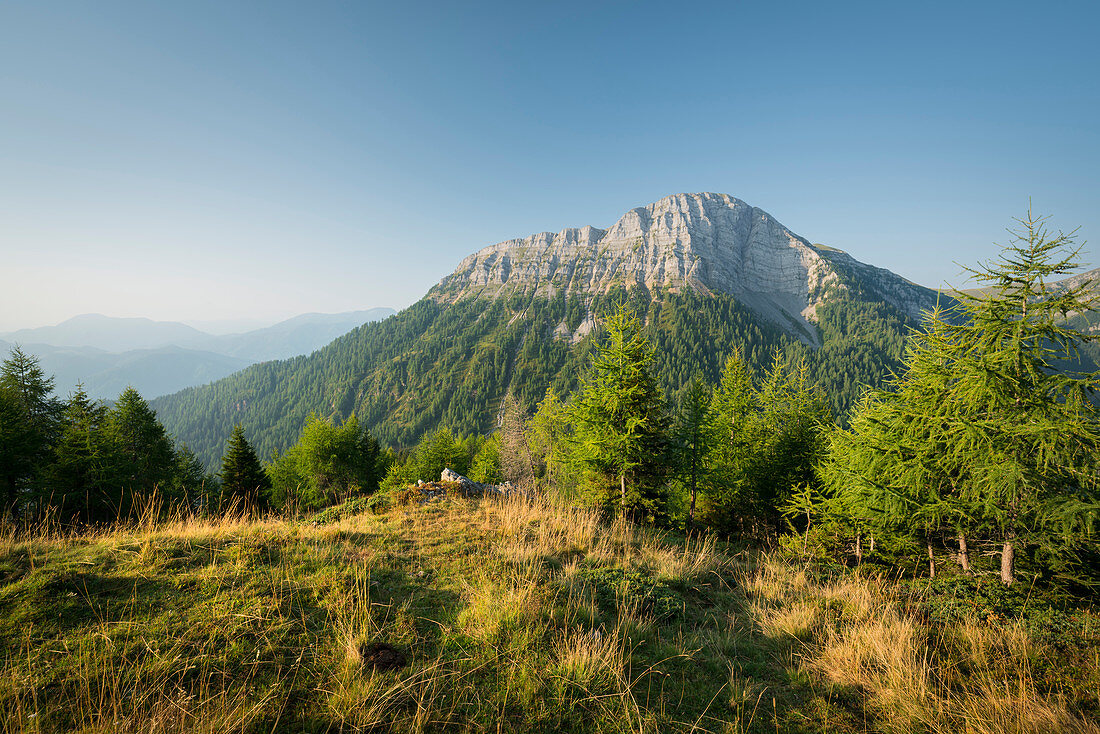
point(226, 160)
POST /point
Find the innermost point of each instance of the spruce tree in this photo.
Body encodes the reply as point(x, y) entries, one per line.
point(619, 421)
point(148, 460)
point(30, 421)
point(83, 481)
point(17, 450)
point(242, 478)
point(694, 434)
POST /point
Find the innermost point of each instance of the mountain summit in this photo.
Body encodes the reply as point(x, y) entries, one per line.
point(708, 274)
point(707, 242)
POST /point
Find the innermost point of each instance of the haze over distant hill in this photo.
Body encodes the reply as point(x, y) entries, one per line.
point(299, 335)
point(107, 353)
point(111, 334)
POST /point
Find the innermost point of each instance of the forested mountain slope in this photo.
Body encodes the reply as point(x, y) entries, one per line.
point(707, 272)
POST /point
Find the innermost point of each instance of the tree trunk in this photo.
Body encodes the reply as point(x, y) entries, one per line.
point(964, 553)
point(859, 549)
point(871, 544)
point(691, 512)
point(13, 497)
point(622, 492)
point(1008, 560)
point(931, 562)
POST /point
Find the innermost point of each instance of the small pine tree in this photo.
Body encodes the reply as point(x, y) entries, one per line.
point(486, 464)
point(694, 436)
point(29, 426)
point(735, 421)
point(768, 441)
point(619, 422)
point(438, 451)
point(83, 481)
point(147, 458)
point(17, 450)
point(242, 478)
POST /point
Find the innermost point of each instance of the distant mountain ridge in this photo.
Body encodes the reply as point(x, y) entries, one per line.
point(107, 354)
point(110, 334)
point(297, 335)
point(151, 372)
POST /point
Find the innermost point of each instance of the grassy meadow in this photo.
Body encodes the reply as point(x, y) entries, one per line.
point(506, 615)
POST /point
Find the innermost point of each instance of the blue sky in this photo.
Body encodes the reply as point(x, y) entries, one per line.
point(206, 160)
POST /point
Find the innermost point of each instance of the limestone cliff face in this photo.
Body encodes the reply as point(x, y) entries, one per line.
point(710, 242)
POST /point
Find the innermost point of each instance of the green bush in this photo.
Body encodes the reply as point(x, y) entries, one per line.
point(615, 587)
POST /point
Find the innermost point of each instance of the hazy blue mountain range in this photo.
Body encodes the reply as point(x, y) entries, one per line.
point(107, 354)
point(299, 335)
point(111, 334)
point(150, 371)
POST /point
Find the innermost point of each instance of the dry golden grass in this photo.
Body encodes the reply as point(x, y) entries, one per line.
point(975, 678)
point(539, 528)
point(495, 607)
point(515, 630)
point(591, 660)
point(107, 686)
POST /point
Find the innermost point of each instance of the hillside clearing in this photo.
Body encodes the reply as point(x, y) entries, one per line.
point(493, 616)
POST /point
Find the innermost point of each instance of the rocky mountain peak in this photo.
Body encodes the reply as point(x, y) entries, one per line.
point(705, 241)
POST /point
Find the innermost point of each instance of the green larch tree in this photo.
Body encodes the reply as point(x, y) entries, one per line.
point(990, 428)
point(1026, 424)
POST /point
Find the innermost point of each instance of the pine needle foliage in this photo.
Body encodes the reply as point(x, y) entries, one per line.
point(694, 436)
point(989, 430)
point(243, 481)
point(619, 421)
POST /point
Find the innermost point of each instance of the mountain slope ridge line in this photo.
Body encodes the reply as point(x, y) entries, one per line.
point(705, 241)
point(707, 273)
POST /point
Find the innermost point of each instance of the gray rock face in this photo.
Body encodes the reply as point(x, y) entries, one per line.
point(709, 242)
point(470, 488)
